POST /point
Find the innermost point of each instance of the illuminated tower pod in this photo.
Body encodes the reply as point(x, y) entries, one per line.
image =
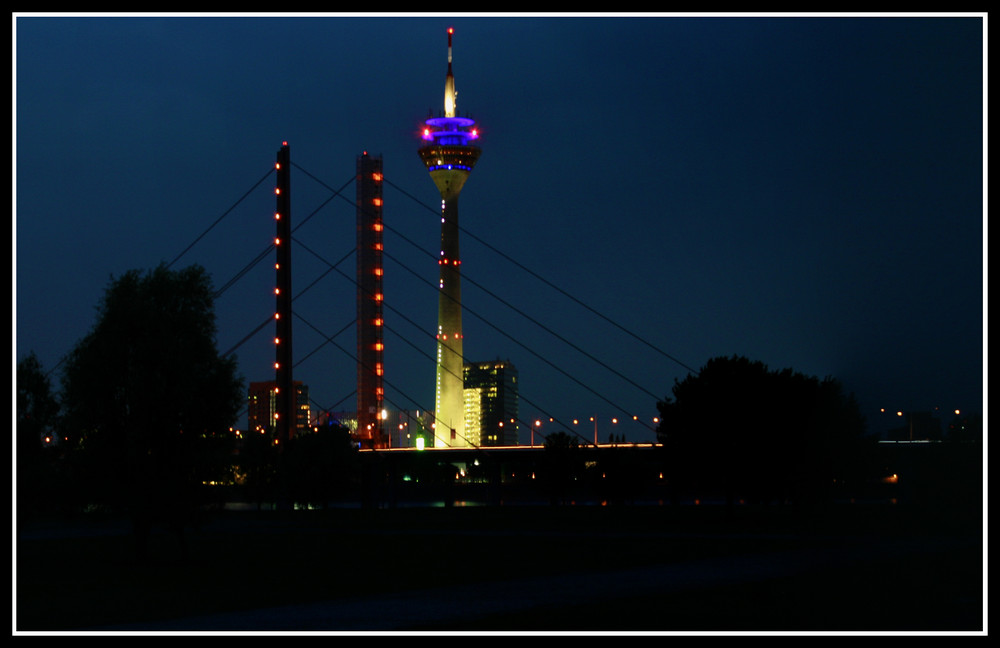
point(370, 432)
point(284, 412)
point(449, 158)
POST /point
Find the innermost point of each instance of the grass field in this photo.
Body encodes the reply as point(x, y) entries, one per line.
point(84, 573)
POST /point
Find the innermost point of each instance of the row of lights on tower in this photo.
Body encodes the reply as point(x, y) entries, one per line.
point(377, 271)
point(378, 296)
point(277, 267)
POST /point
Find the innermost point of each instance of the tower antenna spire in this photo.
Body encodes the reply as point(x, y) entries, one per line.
point(450, 95)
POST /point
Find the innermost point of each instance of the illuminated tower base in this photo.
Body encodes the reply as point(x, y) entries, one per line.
point(449, 158)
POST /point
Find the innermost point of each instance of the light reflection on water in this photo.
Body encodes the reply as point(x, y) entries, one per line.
point(714, 502)
point(271, 506)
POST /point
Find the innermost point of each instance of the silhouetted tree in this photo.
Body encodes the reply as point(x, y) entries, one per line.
point(560, 464)
point(147, 397)
point(37, 412)
point(257, 466)
point(319, 467)
point(621, 475)
point(37, 407)
point(760, 435)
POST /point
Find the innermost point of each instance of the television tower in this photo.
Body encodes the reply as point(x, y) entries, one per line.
point(449, 157)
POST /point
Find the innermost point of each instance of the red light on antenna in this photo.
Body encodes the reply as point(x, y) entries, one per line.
point(451, 30)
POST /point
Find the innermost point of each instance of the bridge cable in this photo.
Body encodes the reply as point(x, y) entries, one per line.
point(333, 267)
point(219, 219)
point(421, 351)
point(622, 409)
point(551, 285)
point(349, 354)
point(465, 307)
point(267, 250)
point(188, 248)
point(524, 346)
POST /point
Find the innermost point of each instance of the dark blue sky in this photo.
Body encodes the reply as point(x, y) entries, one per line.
point(804, 191)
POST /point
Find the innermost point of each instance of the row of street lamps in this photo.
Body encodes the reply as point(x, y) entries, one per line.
point(909, 414)
point(593, 419)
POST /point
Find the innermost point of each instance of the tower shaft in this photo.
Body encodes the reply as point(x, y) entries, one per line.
point(449, 157)
point(450, 386)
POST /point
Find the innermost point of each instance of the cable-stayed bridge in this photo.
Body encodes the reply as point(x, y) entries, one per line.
point(321, 222)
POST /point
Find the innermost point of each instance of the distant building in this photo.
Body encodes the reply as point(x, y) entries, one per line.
point(491, 403)
point(344, 419)
point(262, 406)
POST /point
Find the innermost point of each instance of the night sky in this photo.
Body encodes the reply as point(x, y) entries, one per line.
point(805, 191)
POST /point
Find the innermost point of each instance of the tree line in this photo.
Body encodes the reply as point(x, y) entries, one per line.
point(143, 421)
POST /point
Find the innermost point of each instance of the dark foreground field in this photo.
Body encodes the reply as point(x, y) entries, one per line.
point(528, 568)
